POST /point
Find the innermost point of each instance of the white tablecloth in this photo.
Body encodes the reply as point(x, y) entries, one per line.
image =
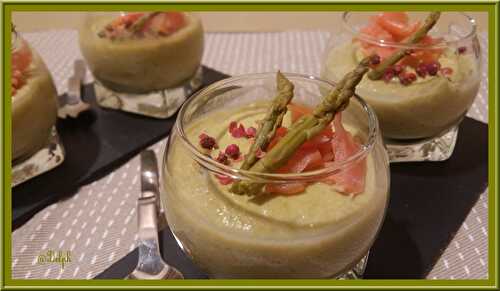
point(98, 224)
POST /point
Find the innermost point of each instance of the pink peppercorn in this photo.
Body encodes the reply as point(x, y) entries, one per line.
point(388, 75)
point(224, 180)
point(251, 132)
point(232, 151)
point(237, 131)
point(433, 68)
point(462, 50)
point(421, 70)
point(398, 69)
point(411, 76)
point(404, 80)
point(232, 125)
point(207, 142)
point(222, 158)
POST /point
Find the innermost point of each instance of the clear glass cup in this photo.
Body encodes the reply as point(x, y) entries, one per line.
point(317, 234)
point(143, 62)
point(419, 121)
point(35, 145)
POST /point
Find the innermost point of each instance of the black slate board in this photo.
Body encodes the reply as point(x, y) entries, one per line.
point(95, 143)
point(428, 204)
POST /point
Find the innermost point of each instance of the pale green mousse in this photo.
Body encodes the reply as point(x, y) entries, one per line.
point(34, 110)
point(315, 234)
point(423, 109)
point(143, 65)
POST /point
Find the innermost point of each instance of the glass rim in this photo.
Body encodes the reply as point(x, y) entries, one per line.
point(442, 44)
point(236, 173)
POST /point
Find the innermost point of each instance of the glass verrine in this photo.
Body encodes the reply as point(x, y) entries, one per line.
point(35, 145)
point(320, 233)
point(143, 62)
point(422, 99)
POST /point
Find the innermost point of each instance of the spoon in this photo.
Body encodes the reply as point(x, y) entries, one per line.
point(150, 265)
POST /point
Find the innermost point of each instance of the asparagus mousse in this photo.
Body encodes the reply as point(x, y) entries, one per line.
point(422, 93)
point(313, 228)
point(34, 104)
point(298, 230)
point(143, 52)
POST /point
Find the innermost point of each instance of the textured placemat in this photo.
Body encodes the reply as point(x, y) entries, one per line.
point(428, 203)
point(95, 143)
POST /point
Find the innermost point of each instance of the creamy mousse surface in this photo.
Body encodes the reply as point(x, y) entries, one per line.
point(34, 110)
point(426, 107)
point(138, 65)
point(315, 234)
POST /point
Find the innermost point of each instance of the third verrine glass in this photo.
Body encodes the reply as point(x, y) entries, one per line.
point(421, 100)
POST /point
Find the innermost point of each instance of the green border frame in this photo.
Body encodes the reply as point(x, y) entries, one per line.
point(491, 7)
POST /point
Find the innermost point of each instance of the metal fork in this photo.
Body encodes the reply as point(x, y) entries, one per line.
point(150, 265)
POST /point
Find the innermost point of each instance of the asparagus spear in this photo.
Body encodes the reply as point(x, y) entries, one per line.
point(378, 72)
point(310, 125)
point(272, 120)
point(139, 23)
point(134, 27)
point(304, 129)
